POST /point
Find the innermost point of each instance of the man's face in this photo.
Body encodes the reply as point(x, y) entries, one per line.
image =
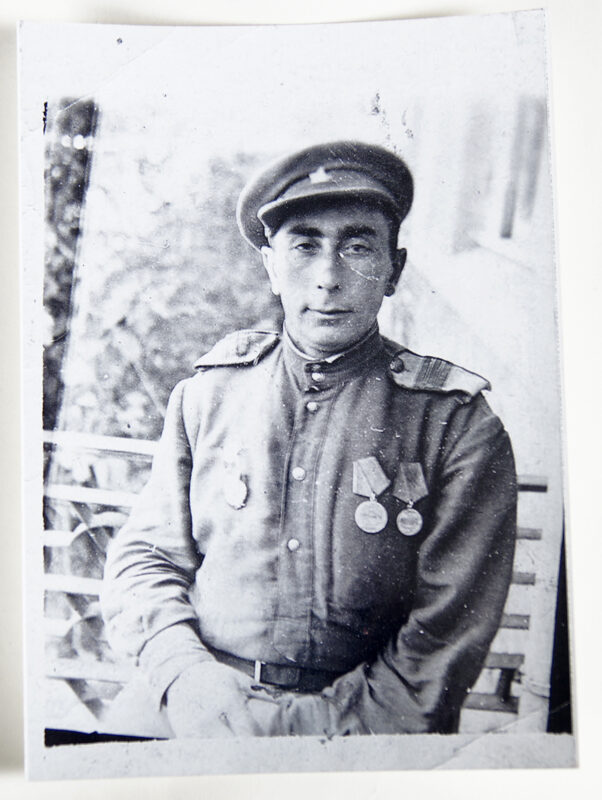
point(331, 267)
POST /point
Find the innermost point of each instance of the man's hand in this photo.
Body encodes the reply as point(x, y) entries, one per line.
point(332, 712)
point(212, 700)
point(315, 715)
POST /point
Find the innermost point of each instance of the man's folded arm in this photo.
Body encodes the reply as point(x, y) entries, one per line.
point(417, 684)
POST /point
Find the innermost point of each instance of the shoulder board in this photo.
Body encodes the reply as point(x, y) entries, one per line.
point(427, 373)
point(241, 348)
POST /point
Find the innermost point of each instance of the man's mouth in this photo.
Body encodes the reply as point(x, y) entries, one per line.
point(330, 312)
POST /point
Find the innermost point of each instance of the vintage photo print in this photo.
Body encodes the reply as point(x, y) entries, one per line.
point(294, 485)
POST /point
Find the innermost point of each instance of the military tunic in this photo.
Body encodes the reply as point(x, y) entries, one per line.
point(245, 540)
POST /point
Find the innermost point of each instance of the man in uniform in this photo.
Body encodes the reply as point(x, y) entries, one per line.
point(326, 541)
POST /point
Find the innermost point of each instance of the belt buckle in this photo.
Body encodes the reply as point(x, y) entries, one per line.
point(257, 671)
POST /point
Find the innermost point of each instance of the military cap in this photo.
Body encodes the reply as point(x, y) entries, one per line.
point(326, 171)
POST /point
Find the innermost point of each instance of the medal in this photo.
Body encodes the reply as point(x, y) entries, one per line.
point(370, 516)
point(369, 480)
point(409, 521)
point(410, 486)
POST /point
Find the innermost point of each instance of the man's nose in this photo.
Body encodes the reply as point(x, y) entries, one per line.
point(328, 270)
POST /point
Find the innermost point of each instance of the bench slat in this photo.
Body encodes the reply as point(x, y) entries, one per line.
point(479, 701)
point(89, 495)
point(523, 578)
point(528, 533)
point(516, 621)
point(72, 584)
point(504, 661)
point(76, 669)
point(106, 444)
point(532, 483)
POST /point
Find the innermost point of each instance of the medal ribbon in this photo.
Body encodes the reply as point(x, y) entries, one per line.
point(369, 479)
point(410, 485)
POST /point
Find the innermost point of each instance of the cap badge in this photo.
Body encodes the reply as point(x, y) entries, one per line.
point(319, 176)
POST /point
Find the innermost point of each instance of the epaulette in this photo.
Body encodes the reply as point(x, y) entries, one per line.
point(241, 348)
point(413, 371)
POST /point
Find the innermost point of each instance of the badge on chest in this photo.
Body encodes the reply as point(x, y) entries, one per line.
point(234, 487)
point(370, 480)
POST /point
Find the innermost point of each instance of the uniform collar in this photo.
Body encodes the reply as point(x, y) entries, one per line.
point(314, 374)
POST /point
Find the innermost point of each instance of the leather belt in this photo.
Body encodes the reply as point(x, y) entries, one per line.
point(300, 679)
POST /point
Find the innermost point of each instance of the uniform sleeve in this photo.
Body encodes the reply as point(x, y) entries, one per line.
point(420, 679)
point(151, 564)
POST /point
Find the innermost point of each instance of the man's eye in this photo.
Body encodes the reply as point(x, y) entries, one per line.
point(305, 246)
point(356, 249)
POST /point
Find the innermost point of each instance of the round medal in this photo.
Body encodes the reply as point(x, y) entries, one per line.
point(235, 492)
point(409, 522)
point(371, 517)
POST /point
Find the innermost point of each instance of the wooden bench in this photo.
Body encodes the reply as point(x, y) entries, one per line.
point(83, 676)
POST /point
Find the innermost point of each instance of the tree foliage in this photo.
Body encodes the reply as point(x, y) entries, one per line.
point(156, 290)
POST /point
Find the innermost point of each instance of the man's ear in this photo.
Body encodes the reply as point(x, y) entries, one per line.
point(399, 262)
point(267, 254)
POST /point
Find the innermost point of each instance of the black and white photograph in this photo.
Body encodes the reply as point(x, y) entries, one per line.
point(295, 497)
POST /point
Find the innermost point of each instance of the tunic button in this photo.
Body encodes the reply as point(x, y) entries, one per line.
point(311, 406)
point(397, 365)
point(317, 376)
point(293, 544)
point(298, 473)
